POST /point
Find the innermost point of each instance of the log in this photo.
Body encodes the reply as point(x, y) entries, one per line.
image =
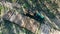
point(23, 21)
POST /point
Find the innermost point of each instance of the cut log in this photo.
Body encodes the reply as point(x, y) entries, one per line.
point(22, 21)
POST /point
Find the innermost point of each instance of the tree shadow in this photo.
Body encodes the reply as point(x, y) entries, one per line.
point(37, 18)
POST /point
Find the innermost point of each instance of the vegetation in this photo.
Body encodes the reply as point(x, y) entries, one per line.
point(33, 6)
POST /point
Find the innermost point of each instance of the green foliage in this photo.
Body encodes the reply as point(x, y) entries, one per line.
point(48, 1)
point(14, 0)
point(0, 8)
point(34, 1)
point(26, 31)
point(54, 5)
point(51, 15)
point(26, 5)
point(9, 0)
